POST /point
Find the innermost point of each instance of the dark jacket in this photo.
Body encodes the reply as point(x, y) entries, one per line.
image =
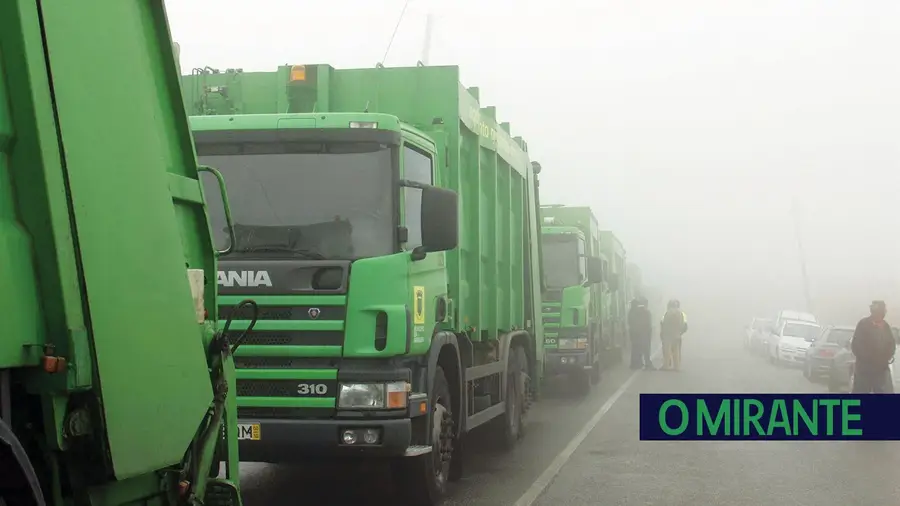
point(873, 347)
point(640, 323)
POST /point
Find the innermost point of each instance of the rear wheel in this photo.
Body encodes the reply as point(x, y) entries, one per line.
point(423, 479)
point(512, 421)
point(597, 369)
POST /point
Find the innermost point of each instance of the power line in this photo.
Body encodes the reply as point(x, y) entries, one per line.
point(396, 27)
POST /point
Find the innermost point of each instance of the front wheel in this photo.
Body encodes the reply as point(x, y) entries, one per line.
point(423, 479)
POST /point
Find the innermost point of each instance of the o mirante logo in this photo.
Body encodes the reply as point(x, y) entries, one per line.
point(768, 417)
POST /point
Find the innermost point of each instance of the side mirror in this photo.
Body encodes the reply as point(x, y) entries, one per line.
point(594, 270)
point(613, 281)
point(440, 219)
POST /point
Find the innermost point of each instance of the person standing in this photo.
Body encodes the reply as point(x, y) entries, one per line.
point(671, 329)
point(640, 330)
point(874, 346)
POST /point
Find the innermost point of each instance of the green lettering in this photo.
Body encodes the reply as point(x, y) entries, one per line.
point(737, 418)
point(779, 410)
point(704, 418)
point(830, 404)
point(684, 417)
point(811, 423)
point(753, 418)
point(847, 417)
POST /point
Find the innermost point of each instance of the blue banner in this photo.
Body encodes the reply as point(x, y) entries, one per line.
point(770, 417)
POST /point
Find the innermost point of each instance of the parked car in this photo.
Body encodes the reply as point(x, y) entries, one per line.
point(755, 332)
point(788, 344)
point(821, 353)
point(840, 375)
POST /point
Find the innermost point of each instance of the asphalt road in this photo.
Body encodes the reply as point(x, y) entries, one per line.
point(587, 452)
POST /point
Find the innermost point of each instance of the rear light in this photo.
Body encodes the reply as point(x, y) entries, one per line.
point(826, 353)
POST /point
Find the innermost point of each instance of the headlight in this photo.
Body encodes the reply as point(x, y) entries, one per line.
point(373, 395)
point(579, 343)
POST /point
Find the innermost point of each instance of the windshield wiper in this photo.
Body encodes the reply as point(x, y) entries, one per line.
point(305, 253)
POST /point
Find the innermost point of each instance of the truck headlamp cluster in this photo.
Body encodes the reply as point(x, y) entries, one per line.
point(392, 395)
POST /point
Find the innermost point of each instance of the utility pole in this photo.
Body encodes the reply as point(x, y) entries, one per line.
point(426, 46)
point(795, 213)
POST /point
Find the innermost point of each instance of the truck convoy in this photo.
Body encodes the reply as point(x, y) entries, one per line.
point(388, 228)
point(573, 267)
point(114, 384)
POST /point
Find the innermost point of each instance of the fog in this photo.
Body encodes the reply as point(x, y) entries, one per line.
point(688, 126)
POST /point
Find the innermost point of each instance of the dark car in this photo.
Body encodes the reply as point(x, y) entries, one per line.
point(820, 354)
point(755, 334)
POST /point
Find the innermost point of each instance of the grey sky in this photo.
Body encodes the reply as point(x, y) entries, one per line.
point(687, 125)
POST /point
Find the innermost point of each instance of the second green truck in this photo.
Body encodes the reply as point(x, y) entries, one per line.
point(388, 228)
point(577, 338)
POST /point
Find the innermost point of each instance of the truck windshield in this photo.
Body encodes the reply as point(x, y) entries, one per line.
point(560, 262)
point(308, 200)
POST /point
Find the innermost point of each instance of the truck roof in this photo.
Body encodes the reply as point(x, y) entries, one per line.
point(421, 96)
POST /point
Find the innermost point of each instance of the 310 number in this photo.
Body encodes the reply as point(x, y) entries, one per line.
point(312, 389)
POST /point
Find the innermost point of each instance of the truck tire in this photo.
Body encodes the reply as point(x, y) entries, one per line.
point(423, 479)
point(526, 391)
point(509, 427)
point(597, 370)
point(581, 381)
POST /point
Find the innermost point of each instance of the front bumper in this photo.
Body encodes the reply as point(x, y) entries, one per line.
point(792, 356)
point(566, 361)
point(819, 367)
point(282, 440)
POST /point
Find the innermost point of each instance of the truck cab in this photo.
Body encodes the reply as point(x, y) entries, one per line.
point(572, 295)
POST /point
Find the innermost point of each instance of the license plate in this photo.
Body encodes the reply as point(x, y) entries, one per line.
point(249, 432)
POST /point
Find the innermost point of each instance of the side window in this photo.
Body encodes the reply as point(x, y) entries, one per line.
point(582, 260)
point(417, 166)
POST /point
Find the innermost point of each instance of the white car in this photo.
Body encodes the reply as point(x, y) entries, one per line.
point(790, 341)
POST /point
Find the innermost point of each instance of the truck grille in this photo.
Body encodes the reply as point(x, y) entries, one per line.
point(284, 363)
point(287, 365)
point(291, 337)
point(286, 388)
point(281, 313)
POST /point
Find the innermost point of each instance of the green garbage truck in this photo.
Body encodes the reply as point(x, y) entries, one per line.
point(616, 318)
point(572, 296)
point(387, 226)
point(115, 385)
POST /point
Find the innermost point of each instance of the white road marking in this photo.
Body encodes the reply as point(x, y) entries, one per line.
point(544, 480)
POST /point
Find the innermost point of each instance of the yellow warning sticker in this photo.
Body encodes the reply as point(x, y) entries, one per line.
point(418, 305)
